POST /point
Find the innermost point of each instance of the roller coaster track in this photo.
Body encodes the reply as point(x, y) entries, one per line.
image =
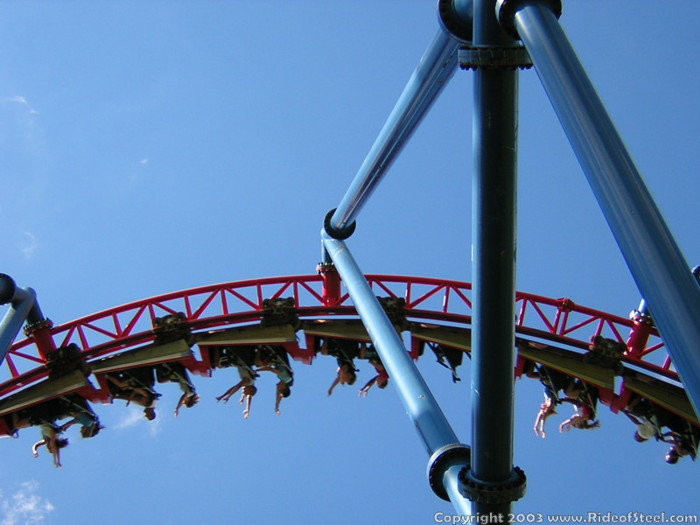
point(276, 311)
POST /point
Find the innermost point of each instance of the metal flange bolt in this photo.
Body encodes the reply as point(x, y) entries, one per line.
point(506, 9)
point(493, 493)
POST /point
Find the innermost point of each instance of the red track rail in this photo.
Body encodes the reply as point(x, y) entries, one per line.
point(319, 296)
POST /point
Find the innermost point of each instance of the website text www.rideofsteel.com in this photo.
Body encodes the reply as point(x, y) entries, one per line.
point(590, 517)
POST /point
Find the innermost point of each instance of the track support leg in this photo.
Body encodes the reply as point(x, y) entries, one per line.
point(647, 245)
point(492, 483)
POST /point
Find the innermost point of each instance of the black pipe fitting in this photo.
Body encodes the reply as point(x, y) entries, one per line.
point(506, 9)
point(339, 235)
point(440, 461)
point(456, 18)
point(7, 288)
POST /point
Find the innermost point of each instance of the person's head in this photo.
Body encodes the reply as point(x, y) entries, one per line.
point(382, 382)
point(60, 443)
point(585, 424)
point(672, 456)
point(347, 375)
point(149, 413)
point(249, 390)
point(639, 438)
point(91, 431)
point(283, 389)
point(191, 401)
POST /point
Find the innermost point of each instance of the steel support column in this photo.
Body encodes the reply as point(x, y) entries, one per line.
point(650, 251)
point(432, 425)
point(493, 266)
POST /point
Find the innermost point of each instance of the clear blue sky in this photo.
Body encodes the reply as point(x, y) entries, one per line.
point(147, 147)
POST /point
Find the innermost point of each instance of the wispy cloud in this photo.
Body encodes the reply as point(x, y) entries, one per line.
point(19, 99)
point(29, 245)
point(137, 170)
point(133, 417)
point(24, 506)
point(130, 419)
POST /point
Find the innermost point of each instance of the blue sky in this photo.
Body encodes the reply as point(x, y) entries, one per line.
point(148, 147)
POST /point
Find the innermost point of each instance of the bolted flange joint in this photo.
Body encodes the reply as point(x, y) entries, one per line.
point(493, 493)
point(506, 9)
point(340, 235)
point(494, 57)
point(41, 324)
point(325, 267)
point(441, 460)
point(641, 318)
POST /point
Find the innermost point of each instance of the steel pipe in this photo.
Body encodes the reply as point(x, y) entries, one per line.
point(22, 303)
point(435, 68)
point(422, 408)
point(647, 245)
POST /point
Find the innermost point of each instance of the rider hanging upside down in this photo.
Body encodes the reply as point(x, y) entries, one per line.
point(382, 377)
point(50, 438)
point(345, 351)
point(584, 417)
point(43, 417)
point(243, 358)
point(175, 372)
point(683, 437)
point(274, 359)
point(135, 386)
point(554, 382)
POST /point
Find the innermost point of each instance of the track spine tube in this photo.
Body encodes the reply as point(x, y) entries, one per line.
point(647, 245)
point(432, 425)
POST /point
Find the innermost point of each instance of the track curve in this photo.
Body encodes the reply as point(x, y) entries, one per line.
point(280, 311)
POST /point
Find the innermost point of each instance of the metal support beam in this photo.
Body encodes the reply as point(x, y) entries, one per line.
point(491, 479)
point(432, 425)
point(647, 245)
point(22, 301)
point(435, 68)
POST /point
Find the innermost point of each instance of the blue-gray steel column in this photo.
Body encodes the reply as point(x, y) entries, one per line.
point(22, 301)
point(652, 255)
point(436, 67)
point(493, 266)
point(432, 425)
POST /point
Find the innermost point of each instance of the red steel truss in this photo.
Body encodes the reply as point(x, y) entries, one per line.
point(320, 296)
